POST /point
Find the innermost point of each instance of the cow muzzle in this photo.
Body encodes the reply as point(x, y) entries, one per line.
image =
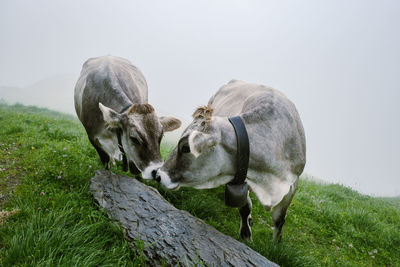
point(150, 172)
point(164, 179)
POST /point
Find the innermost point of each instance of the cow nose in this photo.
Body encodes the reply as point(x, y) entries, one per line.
point(153, 174)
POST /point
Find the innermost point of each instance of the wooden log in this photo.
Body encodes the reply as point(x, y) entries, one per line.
point(170, 235)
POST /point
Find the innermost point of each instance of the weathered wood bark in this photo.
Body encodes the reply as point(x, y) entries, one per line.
point(170, 235)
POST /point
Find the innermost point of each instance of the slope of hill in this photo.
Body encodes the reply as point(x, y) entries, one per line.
point(394, 200)
point(55, 221)
point(55, 92)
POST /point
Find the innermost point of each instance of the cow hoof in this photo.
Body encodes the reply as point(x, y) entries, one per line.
point(277, 236)
point(107, 165)
point(125, 168)
point(245, 233)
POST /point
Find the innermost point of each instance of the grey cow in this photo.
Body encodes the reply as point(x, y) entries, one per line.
point(110, 96)
point(206, 153)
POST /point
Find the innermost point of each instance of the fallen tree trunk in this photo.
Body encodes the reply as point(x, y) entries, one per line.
point(170, 235)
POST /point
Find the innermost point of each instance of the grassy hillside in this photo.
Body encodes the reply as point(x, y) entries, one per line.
point(57, 223)
point(394, 200)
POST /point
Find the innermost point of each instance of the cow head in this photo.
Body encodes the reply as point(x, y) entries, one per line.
point(203, 157)
point(142, 132)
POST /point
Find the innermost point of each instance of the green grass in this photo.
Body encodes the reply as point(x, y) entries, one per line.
point(59, 224)
point(394, 200)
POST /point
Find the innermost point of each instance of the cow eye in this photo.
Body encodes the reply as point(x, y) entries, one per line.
point(185, 149)
point(135, 141)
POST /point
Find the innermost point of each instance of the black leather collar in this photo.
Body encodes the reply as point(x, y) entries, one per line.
point(236, 191)
point(126, 108)
point(243, 150)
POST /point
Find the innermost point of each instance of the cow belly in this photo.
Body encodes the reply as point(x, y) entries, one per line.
point(212, 182)
point(109, 143)
point(271, 189)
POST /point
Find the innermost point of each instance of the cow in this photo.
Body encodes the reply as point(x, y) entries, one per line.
point(205, 156)
point(111, 102)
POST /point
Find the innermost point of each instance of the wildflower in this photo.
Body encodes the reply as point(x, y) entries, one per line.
point(90, 166)
point(337, 248)
point(59, 177)
point(47, 209)
point(373, 256)
point(39, 208)
point(42, 193)
point(64, 148)
point(333, 240)
point(350, 245)
point(36, 173)
point(375, 251)
point(61, 172)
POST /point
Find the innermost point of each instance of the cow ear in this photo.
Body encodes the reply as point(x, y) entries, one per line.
point(111, 117)
point(170, 123)
point(198, 142)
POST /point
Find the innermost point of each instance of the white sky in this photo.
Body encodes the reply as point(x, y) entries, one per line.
point(338, 61)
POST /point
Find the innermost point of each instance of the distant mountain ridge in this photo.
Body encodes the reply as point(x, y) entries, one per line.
point(55, 92)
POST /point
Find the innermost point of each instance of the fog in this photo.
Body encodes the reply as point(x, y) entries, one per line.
point(338, 61)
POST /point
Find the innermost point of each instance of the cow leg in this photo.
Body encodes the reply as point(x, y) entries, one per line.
point(279, 213)
point(133, 169)
point(245, 220)
point(105, 159)
point(124, 159)
point(124, 163)
point(278, 217)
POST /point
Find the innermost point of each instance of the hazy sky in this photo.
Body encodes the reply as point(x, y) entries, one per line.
point(338, 61)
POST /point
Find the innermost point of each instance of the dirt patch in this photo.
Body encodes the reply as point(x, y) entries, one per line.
point(4, 214)
point(7, 185)
point(10, 170)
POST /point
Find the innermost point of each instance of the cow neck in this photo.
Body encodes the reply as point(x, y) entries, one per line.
point(119, 134)
point(243, 150)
